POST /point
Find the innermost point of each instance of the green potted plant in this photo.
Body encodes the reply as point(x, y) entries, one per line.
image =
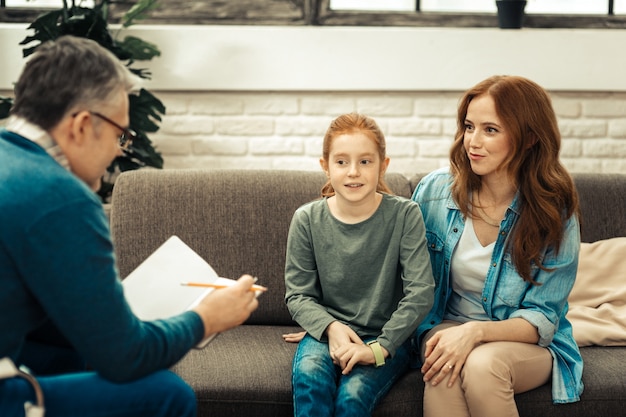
point(510, 13)
point(145, 109)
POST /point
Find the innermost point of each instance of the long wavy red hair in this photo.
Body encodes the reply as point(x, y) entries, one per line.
point(547, 191)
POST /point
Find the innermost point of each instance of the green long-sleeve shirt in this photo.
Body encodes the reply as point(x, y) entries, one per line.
point(374, 276)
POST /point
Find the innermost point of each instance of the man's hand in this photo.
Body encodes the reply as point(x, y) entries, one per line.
point(226, 308)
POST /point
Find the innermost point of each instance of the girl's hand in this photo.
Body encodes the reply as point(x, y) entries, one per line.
point(293, 337)
point(447, 351)
point(340, 335)
point(355, 354)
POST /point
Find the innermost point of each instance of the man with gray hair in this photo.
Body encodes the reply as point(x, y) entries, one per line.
point(57, 265)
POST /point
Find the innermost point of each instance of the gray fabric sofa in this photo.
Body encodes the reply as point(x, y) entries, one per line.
point(238, 221)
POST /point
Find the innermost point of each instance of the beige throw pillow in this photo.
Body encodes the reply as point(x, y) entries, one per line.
point(598, 300)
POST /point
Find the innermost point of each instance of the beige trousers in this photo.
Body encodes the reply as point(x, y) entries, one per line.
point(493, 373)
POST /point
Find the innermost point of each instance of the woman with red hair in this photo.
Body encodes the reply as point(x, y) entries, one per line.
point(502, 224)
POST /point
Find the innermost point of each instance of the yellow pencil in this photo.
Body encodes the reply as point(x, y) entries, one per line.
point(217, 286)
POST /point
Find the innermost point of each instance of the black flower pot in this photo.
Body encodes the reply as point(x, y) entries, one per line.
point(510, 13)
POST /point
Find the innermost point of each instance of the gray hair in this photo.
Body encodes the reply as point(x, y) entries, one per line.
point(66, 74)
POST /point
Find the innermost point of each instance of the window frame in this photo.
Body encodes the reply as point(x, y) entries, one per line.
point(330, 17)
point(319, 13)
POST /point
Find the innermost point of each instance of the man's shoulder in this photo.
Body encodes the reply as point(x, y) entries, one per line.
point(34, 181)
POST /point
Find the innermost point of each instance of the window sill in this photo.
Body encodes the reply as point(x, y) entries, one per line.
point(332, 58)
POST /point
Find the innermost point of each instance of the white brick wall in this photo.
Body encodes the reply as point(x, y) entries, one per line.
point(267, 130)
point(236, 101)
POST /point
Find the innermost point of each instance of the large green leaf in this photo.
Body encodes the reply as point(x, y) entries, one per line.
point(139, 49)
point(143, 154)
point(138, 11)
point(140, 72)
point(46, 27)
point(145, 110)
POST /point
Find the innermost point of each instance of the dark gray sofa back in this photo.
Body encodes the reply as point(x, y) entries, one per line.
point(603, 205)
point(238, 219)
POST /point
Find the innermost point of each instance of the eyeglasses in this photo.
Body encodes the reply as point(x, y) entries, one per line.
point(126, 138)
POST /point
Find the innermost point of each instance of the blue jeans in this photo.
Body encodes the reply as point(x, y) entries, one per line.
point(319, 388)
point(86, 394)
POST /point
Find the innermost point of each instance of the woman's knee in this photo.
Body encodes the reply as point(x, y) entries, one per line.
point(487, 369)
point(484, 366)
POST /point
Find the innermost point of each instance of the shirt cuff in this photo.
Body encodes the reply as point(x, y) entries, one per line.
point(545, 327)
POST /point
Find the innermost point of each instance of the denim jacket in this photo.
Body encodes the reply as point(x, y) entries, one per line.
point(505, 294)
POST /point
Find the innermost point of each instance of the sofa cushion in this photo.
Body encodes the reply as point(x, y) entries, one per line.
point(244, 371)
point(604, 393)
point(247, 371)
point(598, 299)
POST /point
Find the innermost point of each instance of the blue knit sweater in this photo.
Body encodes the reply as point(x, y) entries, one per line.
point(57, 263)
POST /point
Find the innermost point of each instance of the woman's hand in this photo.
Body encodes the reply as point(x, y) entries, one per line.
point(447, 351)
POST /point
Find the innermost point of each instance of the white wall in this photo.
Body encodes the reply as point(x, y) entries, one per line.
point(283, 130)
point(262, 96)
point(261, 58)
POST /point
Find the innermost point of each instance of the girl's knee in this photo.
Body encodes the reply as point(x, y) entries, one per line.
point(353, 401)
point(309, 365)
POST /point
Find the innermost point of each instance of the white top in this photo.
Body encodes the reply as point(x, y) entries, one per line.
point(469, 266)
